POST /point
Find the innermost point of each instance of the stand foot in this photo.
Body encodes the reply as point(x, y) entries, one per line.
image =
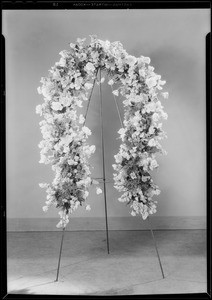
point(153, 237)
point(61, 246)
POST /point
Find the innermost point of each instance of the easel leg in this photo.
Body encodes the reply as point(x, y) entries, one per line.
point(61, 246)
point(153, 237)
point(103, 161)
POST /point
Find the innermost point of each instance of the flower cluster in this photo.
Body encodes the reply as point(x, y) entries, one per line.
point(140, 135)
point(64, 145)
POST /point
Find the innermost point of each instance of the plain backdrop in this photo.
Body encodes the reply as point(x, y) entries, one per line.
point(175, 42)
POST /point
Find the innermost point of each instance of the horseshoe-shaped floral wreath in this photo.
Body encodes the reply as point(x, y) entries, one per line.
point(65, 135)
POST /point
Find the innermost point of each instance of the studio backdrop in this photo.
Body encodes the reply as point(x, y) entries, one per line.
point(175, 42)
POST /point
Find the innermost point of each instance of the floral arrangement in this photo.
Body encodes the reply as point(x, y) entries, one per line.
point(64, 145)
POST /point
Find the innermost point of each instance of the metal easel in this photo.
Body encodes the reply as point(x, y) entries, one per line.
point(103, 175)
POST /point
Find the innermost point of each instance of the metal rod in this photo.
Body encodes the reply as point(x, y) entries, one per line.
point(89, 100)
point(61, 246)
point(156, 248)
point(103, 161)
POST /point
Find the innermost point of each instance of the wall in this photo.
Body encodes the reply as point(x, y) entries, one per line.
point(175, 42)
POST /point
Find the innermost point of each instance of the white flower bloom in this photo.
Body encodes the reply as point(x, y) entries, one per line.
point(118, 158)
point(81, 119)
point(95, 181)
point(146, 60)
point(144, 178)
point(88, 207)
point(86, 130)
point(43, 185)
point(88, 85)
point(151, 82)
point(155, 117)
point(165, 95)
point(145, 215)
point(151, 130)
point(131, 60)
point(65, 101)
point(45, 208)
point(39, 90)
point(142, 72)
point(111, 82)
point(132, 175)
point(98, 191)
point(89, 67)
point(115, 92)
point(56, 106)
point(92, 148)
point(153, 164)
point(39, 110)
point(133, 213)
point(152, 143)
point(86, 193)
point(151, 106)
point(80, 41)
point(72, 45)
point(60, 224)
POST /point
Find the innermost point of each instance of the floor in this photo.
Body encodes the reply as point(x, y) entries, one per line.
point(132, 267)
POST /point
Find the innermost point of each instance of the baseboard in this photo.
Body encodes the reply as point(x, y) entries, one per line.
point(114, 223)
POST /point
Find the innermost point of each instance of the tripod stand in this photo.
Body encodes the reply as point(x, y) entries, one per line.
point(103, 178)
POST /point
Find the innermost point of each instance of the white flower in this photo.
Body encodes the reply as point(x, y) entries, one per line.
point(92, 148)
point(60, 224)
point(39, 110)
point(122, 132)
point(151, 106)
point(88, 85)
point(131, 60)
point(56, 105)
point(88, 207)
point(98, 191)
point(95, 181)
point(111, 82)
point(90, 67)
point(142, 72)
point(118, 158)
point(152, 143)
point(151, 82)
point(86, 193)
point(39, 90)
point(86, 130)
point(132, 175)
point(151, 130)
point(45, 208)
point(145, 215)
point(115, 92)
point(72, 45)
point(65, 101)
point(81, 119)
point(145, 178)
point(155, 117)
point(43, 185)
point(80, 41)
point(133, 213)
point(165, 95)
point(153, 164)
point(146, 60)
